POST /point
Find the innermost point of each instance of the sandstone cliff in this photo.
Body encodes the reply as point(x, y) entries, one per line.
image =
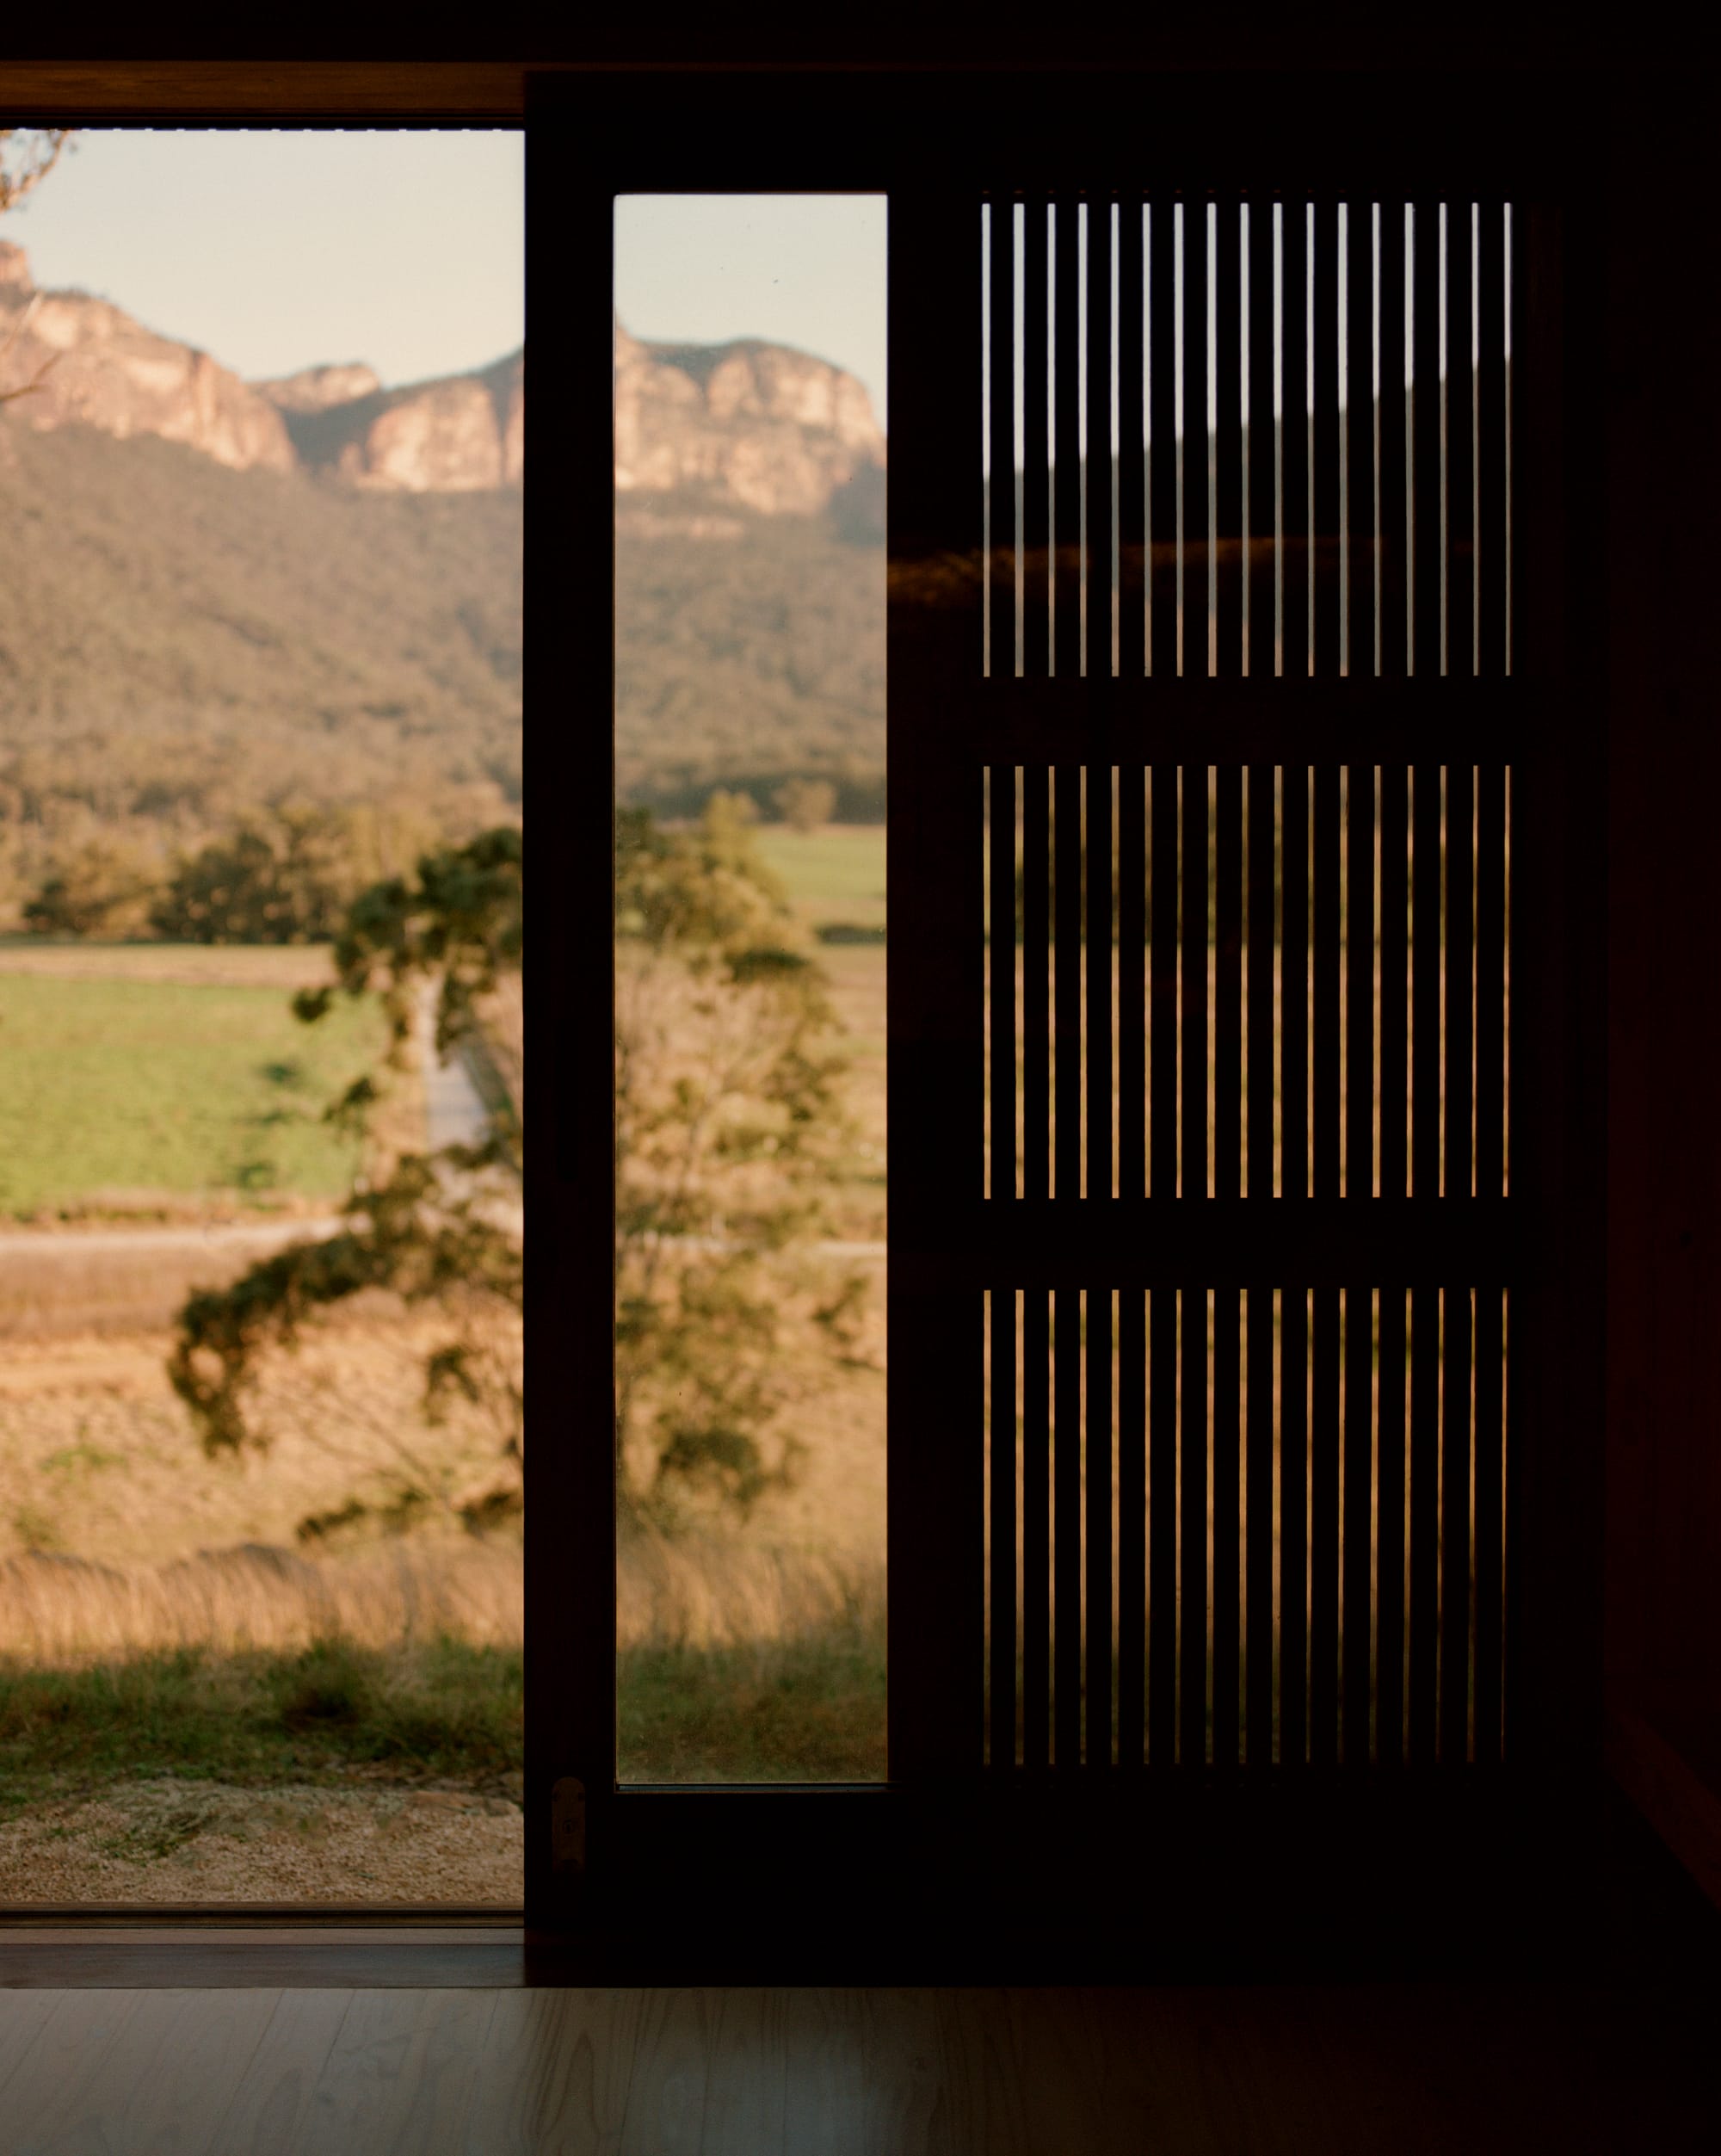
point(749, 423)
point(461, 434)
point(95, 364)
point(315, 388)
point(743, 426)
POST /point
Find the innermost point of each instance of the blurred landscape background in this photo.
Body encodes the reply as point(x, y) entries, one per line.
point(260, 659)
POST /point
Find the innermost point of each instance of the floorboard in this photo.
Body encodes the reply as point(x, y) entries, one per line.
point(269, 2110)
point(779, 2071)
point(56, 1958)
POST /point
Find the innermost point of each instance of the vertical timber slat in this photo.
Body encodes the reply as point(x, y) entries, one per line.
point(1293, 1322)
point(1461, 446)
point(1227, 1189)
point(1323, 1427)
point(1066, 1497)
point(1162, 395)
point(1001, 569)
point(1001, 967)
point(570, 577)
point(1229, 449)
point(1162, 1528)
point(1036, 1653)
point(934, 1015)
point(1325, 476)
point(1360, 1108)
point(1294, 440)
point(1262, 481)
point(1003, 1675)
point(1196, 444)
point(1066, 449)
point(1132, 1527)
point(1425, 1165)
point(1394, 501)
point(1036, 444)
point(1098, 451)
point(1131, 443)
point(1455, 1448)
point(1425, 474)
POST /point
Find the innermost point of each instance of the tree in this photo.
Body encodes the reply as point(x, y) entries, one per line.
point(27, 155)
point(805, 803)
point(101, 887)
point(274, 881)
point(432, 1229)
point(729, 1117)
point(728, 1120)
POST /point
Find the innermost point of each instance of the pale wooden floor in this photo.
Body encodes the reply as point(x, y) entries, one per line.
point(1389, 2071)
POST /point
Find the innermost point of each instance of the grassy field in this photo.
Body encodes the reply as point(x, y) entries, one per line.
point(115, 1089)
point(758, 1654)
point(807, 1708)
point(160, 1613)
point(835, 875)
point(440, 1707)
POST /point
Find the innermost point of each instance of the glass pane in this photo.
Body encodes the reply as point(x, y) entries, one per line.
point(260, 638)
point(751, 999)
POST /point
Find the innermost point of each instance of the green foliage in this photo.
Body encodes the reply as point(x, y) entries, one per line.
point(806, 1708)
point(275, 883)
point(280, 640)
point(461, 924)
point(409, 1234)
point(435, 1707)
point(432, 1230)
point(126, 1085)
point(748, 659)
point(805, 803)
point(102, 888)
point(729, 1119)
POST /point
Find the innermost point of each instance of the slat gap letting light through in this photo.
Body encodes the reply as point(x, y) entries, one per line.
point(1193, 321)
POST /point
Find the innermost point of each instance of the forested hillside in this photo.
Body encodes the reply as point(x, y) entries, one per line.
point(183, 644)
point(185, 647)
point(748, 649)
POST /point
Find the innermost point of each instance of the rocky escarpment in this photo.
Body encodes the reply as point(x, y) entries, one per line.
point(709, 429)
point(76, 358)
point(316, 388)
point(746, 423)
point(67, 358)
point(461, 434)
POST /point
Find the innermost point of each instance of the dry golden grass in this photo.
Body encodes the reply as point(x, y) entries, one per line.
point(64, 1609)
point(284, 965)
point(105, 1281)
point(98, 1456)
point(700, 1591)
point(714, 1591)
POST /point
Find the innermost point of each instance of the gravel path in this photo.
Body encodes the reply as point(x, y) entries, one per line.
point(163, 1839)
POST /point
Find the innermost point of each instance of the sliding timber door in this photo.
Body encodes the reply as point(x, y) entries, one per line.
point(1244, 986)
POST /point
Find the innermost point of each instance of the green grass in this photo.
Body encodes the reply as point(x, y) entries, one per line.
point(811, 1709)
point(442, 1708)
point(835, 875)
point(123, 1086)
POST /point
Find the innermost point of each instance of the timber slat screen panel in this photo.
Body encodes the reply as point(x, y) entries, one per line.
point(1246, 1247)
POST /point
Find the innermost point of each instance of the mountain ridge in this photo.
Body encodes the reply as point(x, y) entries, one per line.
point(70, 358)
point(747, 424)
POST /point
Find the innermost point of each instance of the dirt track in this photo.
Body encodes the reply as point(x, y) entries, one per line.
point(170, 1840)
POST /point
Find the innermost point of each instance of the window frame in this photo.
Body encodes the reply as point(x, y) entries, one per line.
point(677, 1842)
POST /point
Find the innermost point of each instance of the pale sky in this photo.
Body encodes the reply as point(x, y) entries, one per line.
point(274, 251)
point(806, 270)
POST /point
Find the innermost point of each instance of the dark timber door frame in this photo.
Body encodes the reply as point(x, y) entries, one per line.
point(1213, 1853)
